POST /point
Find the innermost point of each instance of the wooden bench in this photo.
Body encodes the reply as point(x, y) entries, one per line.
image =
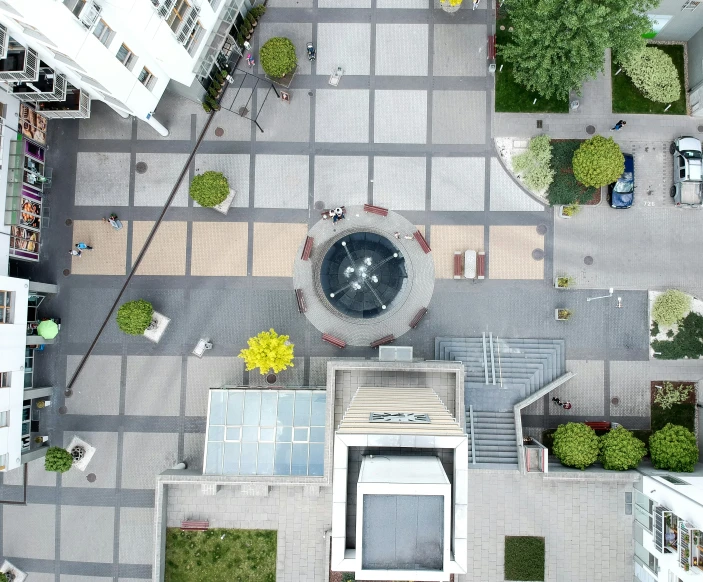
point(375, 210)
point(383, 341)
point(423, 243)
point(307, 249)
point(302, 308)
point(195, 525)
point(491, 47)
point(598, 425)
point(481, 265)
point(418, 316)
point(458, 264)
point(335, 341)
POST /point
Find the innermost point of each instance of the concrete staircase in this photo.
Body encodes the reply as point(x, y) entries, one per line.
point(493, 437)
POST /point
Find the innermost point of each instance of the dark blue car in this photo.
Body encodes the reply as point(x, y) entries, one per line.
point(621, 194)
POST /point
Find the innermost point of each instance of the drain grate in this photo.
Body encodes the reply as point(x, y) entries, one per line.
point(66, 272)
point(590, 129)
point(69, 222)
point(588, 260)
point(538, 254)
point(542, 229)
point(141, 167)
point(700, 129)
point(91, 477)
point(63, 410)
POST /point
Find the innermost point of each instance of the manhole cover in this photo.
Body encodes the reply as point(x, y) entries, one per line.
point(68, 393)
point(63, 410)
point(542, 229)
point(141, 167)
point(538, 254)
point(588, 260)
point(243, 111)
point(319, 205)
point(219, 132)
point(615, 401)
point(66, 272)
point(310, 93)
point(590, 129)
point(91, 477)
point(69, 222)
point(700, 128)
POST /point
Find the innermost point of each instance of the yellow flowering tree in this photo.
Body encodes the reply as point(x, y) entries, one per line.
point(268, 351)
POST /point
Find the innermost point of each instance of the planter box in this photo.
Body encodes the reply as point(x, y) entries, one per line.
point(89, 452)
point(223, 207)
point(561, 212)
point(556, 314)
point(6, 567)
point(162, 322)
point(556, 284)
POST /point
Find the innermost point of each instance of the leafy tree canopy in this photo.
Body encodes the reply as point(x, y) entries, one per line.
point(575, 445)
point(674, 448)
point(598, 162)
point(620, 450)
point(58, 460)
point(268, 351)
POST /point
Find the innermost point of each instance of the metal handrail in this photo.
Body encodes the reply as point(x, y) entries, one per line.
point(471, 429)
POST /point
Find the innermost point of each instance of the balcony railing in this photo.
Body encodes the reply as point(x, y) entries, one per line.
point(20, 64)
point(3, 41)
point(50, 86)
point(75, 106)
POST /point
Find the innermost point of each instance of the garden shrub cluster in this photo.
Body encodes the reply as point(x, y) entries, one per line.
point(564, 188)
point(58, 460)
point(620, 450)
point(674, 448)
point(687, 343)
point(671, 307)
point(535, 164)
point(268, 351)
point(576, 445)
point(653, 72)
point(670, 395)
point(278, 57)
point(598, 162)
point(524, 558)
point(134, 317)
point(209, 189)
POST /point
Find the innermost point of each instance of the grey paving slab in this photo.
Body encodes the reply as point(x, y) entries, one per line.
point(173, 112)
point(629, 381)
point(399, 183)
point(318, 370)
point(289, 4)
point(104, 123)
point(36, 475)
point(209, 372)
point(293, 377)
point(29, 531)
point(459, 50)
point(346, 45)
point(344, 3)
point(136, 535)
point(458, 183)
point(83, 533)
point(284, 120)
point(419, 4)
point(341, 180)
point(234, 126)
point(102, 179)
point(235, 167)
point(458, 117)
point(42, 576)
point(79, 578)
point(97, 389)
point(153, 385)
point(342, 115)
point(103, 464)
point(402, 49)
point(506, 194)
point(86, 322)
point(400, 116)
point(193, 450)
point(300, 33)
point(154, 187)
point(281, 181)
point(155, 452)
point(585, 391)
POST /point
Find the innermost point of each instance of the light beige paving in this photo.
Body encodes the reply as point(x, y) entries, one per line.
point(219, 249)
point(109, 254)
point(167, 253)
point(276, 247)
point(510, 253)
point(445, 239)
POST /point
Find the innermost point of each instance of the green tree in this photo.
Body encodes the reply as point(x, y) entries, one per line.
point(558, 44)
point(598, 162)
point(620, 450)
point(653, 72)
point(277, 57)
point(674, 448)
point(534, 164)
point(575, 445)
point(671, 307)
point(268, 351)
point(209, 189)
point(58, 460)
point(134, 317)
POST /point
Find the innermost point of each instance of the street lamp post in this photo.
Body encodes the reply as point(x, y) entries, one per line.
point(610, 294)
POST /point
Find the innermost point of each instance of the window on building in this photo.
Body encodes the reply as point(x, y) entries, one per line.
point(674, 480)
point(126, 57)
point(5, 307)
point(193, 41)
point(103, 32)
point(5, 379)
point(178, 12)
point(4, 417)
point(3, 462)
point(147, 79)
point(74, 6)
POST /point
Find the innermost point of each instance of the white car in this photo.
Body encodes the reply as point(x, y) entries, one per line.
point(688, 171)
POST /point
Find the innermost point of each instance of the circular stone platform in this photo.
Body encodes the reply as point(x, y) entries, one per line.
point(404, 283)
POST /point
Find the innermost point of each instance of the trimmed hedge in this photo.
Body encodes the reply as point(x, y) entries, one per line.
point(576, 445)
point(620, 450)
point(134, 317)
point(534, 164)
point(598, 162)
point(674, 448)
point(277, 57)
point(671, 307)
point(209, 189)
point(653, 72)
point(58, 460)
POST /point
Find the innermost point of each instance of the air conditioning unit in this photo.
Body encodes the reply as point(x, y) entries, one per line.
point(90, 14)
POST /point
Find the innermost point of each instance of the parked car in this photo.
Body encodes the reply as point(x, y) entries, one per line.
point(621, 194)
point(687, 190)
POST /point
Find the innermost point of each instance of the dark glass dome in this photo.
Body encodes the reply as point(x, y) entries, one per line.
point(362, 274)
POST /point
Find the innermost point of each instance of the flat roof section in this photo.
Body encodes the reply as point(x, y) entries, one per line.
point(403, 532)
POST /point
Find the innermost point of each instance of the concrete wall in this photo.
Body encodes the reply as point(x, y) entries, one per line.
point(695, 60)
point(683, 25)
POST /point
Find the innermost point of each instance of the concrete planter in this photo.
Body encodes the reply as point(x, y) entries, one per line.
point(562, 314)
point(561, 212)
point(13, 572)
point(557, 286)
point(223, 207)
point(80, 461)
point(159, 324)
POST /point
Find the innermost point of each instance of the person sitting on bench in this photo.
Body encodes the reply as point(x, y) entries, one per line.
point(338, 215)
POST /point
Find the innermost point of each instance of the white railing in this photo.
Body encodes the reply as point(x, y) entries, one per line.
point(3, 41)
point(57, 93)
point(187, 25)
point(29, 70)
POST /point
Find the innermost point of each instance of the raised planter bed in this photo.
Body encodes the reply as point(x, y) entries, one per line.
point(224, 206)
point(88, 452)
point(159, 329)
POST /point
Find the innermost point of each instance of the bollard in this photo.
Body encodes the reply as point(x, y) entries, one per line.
point(667, 107)
point(535, 101)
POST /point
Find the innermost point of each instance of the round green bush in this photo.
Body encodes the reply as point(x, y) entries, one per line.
point(58, 460)
point(674, 448)
point(653, 72)
point(134, 317)
point(671, 307)
point(620, 450)
point(575, 445)
point(277, 57)
point(209, 189)
point(598, 162)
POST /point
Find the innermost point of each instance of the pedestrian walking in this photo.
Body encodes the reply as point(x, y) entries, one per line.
point(619, 125)
point(75, 253)
point(475, 5)
point(250, 60)
point(83, 247)
point(396, 234)
point(563, 403)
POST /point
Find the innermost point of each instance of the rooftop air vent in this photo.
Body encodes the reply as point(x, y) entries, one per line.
point(413, 417)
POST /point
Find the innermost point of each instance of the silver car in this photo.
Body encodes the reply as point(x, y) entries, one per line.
point(688, 172)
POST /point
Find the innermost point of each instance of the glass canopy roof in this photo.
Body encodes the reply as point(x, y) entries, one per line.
point(265, 432)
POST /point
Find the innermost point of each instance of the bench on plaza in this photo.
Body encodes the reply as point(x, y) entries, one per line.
point(418, 316)
point(598, 425)
point(383, 341)
point(481, 265)
point(458, 264)
point(375, 210)
point(302, 308)
point(335, 341)
point(491, 47)
point(307, 249)
point(423, 243)
point(188, 525)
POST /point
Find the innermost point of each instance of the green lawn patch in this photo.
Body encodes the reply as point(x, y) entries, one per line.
point(681, 414)
point(687, 342)
point(243, 555)
point(512, 97)
point(564, 189)
point(524, 558)
point(628, 99)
